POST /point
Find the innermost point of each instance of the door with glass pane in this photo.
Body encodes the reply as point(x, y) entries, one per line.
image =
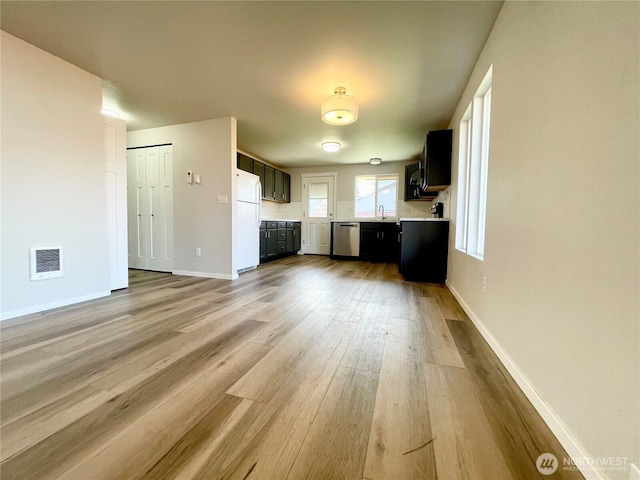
point(318, 205)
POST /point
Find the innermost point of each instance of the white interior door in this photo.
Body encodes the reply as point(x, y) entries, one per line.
point(150, 208)
point(160, 194)
point(317, 213)
point(137, 208)
point(115, 148)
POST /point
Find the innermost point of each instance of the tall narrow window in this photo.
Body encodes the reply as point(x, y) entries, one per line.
point(376, 194)
point(473, 165)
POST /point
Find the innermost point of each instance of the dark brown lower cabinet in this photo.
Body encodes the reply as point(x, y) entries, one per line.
point(423, 251)
point(263, 242)
point(271, 240)
point(379, 241)
point(279, 239)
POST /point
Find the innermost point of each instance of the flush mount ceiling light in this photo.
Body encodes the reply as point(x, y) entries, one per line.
point(375, 161)
point(110, 113)
point(339, 109)
point(331, 147)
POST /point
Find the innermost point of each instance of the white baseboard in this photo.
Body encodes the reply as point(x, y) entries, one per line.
point(219, 276)
point(48, 306)
point(572, 446)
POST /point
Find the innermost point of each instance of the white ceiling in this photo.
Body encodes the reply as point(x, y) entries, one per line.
point(270, 64)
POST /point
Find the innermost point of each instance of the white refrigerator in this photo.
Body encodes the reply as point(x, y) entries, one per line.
point(247, 221)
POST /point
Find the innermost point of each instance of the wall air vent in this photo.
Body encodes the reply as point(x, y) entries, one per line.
point(46, 262)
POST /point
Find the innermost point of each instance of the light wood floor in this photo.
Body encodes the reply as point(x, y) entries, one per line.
point(304, 368)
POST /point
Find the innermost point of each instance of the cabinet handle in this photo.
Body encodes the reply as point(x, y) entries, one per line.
point(382, 234)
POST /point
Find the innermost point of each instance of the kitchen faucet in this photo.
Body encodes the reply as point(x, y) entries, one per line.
point(381, 207)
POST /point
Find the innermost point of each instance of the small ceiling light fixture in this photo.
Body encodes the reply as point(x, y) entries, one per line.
point(111, 113)
point(331, 147)
point(375, 161)
point(339, 109)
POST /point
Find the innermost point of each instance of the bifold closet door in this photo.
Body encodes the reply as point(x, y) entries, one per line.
point(150, 204)
point(160, 201)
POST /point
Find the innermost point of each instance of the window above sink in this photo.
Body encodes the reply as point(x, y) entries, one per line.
point(376, 196)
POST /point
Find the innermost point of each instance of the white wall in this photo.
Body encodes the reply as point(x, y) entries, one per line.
point(562, 244)
point(53, 184)
point(207, 148)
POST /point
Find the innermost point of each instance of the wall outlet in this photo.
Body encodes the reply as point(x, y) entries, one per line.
point(198, 252)
point(484, 284)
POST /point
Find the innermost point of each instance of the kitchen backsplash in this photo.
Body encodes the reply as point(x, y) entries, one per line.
point(344, 210)
point(414, 209)
point(284, 211)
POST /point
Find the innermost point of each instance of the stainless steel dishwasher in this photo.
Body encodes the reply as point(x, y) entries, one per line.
point(346, 239)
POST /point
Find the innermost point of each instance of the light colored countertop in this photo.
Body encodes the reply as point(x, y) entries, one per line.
point(363, 220)
point(393, 220)
point(279, 220)
point(367, 220)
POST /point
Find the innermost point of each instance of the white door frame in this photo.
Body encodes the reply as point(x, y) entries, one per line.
point(305, 176)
